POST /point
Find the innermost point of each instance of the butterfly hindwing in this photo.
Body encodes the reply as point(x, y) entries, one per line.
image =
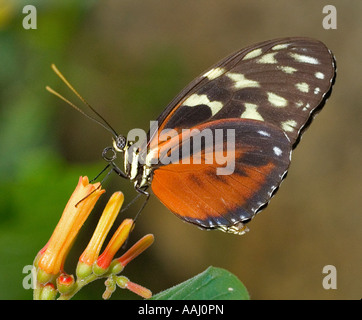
point(198, 193)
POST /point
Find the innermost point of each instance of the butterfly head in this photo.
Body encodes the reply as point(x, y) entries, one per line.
point(109, 154)
point(119, 145)
point(130, 154)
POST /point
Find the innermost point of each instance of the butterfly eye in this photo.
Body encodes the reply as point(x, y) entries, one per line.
point(120, 143)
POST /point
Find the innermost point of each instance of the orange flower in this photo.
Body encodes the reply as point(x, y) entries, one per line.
point(76, 212)
point(118, 239)
point(90, 254)
point(52, 280)
point(140, 246)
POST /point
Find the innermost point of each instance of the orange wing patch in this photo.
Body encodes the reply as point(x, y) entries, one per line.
point(198, 194)
point(195, 192)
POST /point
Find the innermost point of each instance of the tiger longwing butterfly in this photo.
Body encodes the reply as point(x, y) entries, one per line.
point(265, 95)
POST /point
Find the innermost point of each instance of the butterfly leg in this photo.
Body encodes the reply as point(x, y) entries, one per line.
point(147, 194)
point(118, 170)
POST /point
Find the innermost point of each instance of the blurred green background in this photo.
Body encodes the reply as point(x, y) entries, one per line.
point(129, 59)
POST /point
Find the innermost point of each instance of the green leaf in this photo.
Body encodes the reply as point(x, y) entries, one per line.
point(212, 284)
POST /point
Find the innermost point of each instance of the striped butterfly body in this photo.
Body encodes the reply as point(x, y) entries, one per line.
point(265, 96)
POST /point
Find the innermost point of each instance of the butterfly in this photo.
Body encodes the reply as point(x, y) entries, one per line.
point(265, 96)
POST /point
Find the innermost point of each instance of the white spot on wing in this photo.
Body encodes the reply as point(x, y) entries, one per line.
point(306, 107)
point(277, 101)
point(288, 125)
point(298, 104)
point(214, 73)
point(264, 133)
point(302, 58)
point(241, 82)
point(287, 69)
point(251, 113)
point(277, 151)
point(319, 75)
point(302, 86)
point(268, 58)
point(195, 100)
point(253, 54)
point(281, 46)
point(317, 90)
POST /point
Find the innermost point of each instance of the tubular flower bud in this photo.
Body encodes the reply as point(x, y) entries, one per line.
point(91, 253)
point(53, 281)
point(118, 239)
point(74, 215)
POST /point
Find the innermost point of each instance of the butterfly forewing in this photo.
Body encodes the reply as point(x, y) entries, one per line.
point(282, 82)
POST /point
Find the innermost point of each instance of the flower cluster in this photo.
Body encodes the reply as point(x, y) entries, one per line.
point(52, 281)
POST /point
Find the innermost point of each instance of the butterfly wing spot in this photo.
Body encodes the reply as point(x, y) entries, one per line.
point(277, 151)
point(240, 82)
point(264, 133)
point(268, 58)
point(288, 125)
point(317, 90)
point(287, 69)
point(299, 104)
point(202, 99)
point(251, 112)
point(281, 46)
point(319, 75)
point(302, 86)
point(214, 73)
point(253, 54)
point(276, 101)
point(306, 108)
point(303, 58)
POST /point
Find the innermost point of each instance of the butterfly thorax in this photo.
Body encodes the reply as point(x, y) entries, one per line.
point(139, 173)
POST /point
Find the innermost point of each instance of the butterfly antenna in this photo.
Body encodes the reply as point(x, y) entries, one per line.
point(104, 124)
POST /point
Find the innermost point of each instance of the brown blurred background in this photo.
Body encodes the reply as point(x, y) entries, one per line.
point(129, 59)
